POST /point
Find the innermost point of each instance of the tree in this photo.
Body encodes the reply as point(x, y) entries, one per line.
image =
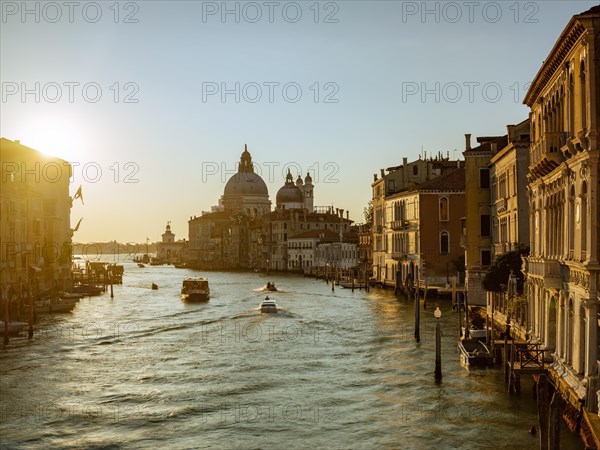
point(368, 213)
point(496, 277)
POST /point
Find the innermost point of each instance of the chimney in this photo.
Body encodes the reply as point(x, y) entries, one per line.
point(382, 173)
point(347, 215)
point(404, 161)
point(494, 146)
point(467, 141)
point(341, 213)
point(374, 177)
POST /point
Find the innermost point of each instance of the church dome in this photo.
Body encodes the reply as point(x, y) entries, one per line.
point(245, 181)
point(308, 178)
point(289, 193)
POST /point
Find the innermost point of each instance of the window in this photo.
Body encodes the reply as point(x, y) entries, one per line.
point(486, 258)
point(484, 178)
point(444, 243)
point(485, 225)
point(415, 170)
point(444, 209)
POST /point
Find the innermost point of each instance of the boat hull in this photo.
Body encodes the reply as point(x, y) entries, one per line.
point(474, 353)
point(196, 297)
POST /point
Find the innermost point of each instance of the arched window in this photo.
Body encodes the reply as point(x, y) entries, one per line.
point(444, 216)
point(444, 243)
point(582, 79)
point(583, 226)
point(572, 222)
point(571, 106)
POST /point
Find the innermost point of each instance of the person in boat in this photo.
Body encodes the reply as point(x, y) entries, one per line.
point(267, 298)
point(154, 286)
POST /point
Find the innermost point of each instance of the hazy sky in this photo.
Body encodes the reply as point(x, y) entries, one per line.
point(154, 101)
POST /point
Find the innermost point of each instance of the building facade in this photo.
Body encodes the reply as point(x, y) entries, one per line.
point(169, 250)
point(563, 270)
point(477, 234)
point(35, 229)
point(397, 179)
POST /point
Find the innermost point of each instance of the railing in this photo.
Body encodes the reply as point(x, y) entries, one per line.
point(530, 356)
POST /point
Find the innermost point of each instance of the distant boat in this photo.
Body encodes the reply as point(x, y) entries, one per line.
point(270, 287)
point(473, 352)
point(475, 333)
point(154, 287)
point(195, 290)
point(268, 306)
point(141, 265)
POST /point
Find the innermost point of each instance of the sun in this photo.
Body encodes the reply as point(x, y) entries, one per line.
point(54, 135)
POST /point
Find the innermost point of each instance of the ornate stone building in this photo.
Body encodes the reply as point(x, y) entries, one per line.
point(563, 267)
point(35, 229)
point(246, 234)
point(169, 250)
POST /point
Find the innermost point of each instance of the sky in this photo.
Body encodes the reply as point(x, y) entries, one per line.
point(152, 102)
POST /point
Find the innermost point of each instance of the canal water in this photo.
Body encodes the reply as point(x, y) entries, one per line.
point(333, 370)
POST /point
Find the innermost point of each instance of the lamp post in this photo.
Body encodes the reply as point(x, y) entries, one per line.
point(438, 344)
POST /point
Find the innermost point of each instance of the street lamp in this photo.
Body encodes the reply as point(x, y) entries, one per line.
point(438, 344)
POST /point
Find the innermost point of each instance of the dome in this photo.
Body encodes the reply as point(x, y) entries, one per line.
point(308, 178)
point(289, 193)
point(299, 181)
point(245, 183)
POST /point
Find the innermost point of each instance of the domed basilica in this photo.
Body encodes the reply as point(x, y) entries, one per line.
point(247, 193)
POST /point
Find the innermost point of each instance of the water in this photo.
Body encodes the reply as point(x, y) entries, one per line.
point(334, 370)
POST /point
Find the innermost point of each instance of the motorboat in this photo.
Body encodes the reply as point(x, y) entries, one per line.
point(473, 352)
point(141, 265)
point(268, 306)
point(70, 296)
point(349, 284)
point(195, 290)
point(270, 287)
point(154, 287)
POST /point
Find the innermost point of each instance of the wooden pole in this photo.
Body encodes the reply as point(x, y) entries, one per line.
point(31, 311)
point(543, 407)
point(417, 317)
point(458, 303)
point(6, 339)
point(438, 351)
point(554, 422)
point(425, 296)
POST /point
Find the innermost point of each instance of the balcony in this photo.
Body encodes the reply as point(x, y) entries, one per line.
point(397, 256)
point(546, 269)
point(398, 225)
point(501, 204)
point(546, 153)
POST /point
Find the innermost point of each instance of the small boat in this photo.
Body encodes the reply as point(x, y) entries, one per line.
point(268, 306)
point(154, 287)
point(87, 289)
point(141, 265)
point(70, 296)
point(14, 328)
point(180, 265)
point(195, 290)
point(474, 333)
point(54, 306)
point(473, 352)
point(270, 287)
point(348, 284)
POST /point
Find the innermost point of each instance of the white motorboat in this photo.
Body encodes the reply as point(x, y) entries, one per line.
point(268, 306)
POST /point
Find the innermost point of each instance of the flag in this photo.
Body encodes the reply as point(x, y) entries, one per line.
point(77, 226)
point(78, 194)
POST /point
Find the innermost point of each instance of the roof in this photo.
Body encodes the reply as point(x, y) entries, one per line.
point(572, 31)
point(453, 181)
